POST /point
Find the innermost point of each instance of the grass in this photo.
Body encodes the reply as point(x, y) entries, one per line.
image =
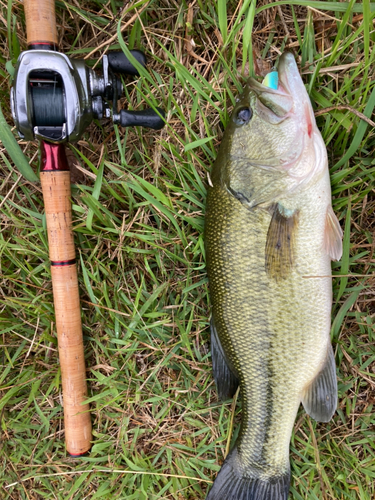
point(138, 207)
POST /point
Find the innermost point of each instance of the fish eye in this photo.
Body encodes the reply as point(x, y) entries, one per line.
point(243, 116)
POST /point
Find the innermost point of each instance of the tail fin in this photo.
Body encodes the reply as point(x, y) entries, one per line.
point(232, 483)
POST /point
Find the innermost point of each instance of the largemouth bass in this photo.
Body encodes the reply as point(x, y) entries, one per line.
point(270, 236)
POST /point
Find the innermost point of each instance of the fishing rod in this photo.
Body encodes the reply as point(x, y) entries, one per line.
point(53, 100)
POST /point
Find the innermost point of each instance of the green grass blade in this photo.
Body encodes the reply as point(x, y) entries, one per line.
point(13, 149)
point(337, 323)
point(324, 6)
point(345, 255)
point(360, 132)
point(222, 16)
point(95, 194)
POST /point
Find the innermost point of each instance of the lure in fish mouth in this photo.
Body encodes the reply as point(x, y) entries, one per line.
point(269, 228)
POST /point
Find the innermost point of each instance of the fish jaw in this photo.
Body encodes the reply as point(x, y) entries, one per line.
point(291, 80)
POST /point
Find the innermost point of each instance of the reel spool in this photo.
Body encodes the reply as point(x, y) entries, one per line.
point(55, 98)
point(48, 102)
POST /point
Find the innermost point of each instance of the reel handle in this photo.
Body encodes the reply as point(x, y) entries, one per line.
point(119, 63)
point(146, 118)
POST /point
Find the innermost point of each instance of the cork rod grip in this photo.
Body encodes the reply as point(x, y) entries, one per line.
point(40, 22)
point(56, 194)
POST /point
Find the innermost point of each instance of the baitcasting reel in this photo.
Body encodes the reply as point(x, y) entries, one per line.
point(55, 98)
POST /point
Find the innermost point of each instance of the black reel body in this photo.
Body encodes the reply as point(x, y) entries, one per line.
point(55, 98)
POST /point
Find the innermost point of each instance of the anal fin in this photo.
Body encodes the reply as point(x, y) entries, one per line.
point(226, 381)
point(320, 397)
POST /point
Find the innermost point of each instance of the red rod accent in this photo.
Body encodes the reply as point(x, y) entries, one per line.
point(53, 157)
point(86, 454)
point(42, 46)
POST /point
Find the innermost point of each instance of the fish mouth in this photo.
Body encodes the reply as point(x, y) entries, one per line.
point(261, 88)
point(290, 87)
point(286, 78)
point(273, 93)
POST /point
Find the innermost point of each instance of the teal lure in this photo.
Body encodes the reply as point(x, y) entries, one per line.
point(271, 80)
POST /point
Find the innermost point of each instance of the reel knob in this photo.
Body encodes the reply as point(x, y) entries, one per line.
point(146, 118)
point(119, 63)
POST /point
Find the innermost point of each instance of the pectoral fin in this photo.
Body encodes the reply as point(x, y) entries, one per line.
point(332, 235)
point(226, 381)
point(280, 244)
point(320, 398)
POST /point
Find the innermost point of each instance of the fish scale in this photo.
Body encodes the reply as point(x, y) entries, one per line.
point(269, 270)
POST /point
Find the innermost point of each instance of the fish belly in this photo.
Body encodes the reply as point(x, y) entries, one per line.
point(275, 333)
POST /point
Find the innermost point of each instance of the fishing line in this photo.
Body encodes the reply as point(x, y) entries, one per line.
point(48, 106)
point(47, 97)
